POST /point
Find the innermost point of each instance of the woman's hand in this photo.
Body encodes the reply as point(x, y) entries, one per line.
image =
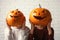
point(32, 27)
point(49, 28)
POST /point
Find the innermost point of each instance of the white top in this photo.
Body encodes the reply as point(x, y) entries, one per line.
point(16, 34)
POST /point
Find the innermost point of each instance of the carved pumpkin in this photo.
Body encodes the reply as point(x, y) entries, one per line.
point(15, 18)
point(40, 16)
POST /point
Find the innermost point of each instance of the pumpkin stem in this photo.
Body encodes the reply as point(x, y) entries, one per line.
point(17, 9)
point(39, 6)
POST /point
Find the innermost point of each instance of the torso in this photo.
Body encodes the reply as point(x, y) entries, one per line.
point(40, 34)
point(20, 34)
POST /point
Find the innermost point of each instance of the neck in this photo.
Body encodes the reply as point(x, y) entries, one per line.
point(22, 27)
point(39, 26)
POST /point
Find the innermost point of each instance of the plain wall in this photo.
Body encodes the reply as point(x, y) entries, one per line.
point(26, 6)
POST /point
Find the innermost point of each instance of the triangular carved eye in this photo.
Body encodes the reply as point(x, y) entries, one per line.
point(44, 11)
point(12, 11)
point(35, 12)
point(18, 11)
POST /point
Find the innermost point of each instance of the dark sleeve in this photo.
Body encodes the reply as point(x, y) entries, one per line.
point(51, 37)
point(30, 37)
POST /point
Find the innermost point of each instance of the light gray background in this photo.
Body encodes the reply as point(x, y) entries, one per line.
point(26, 6)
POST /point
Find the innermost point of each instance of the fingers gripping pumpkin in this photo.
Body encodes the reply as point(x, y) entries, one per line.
point(40, 16)
point(15, 18)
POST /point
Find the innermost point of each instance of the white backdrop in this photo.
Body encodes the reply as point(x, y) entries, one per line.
point(26, 6)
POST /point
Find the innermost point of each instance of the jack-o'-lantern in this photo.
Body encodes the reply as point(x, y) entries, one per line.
point(40, 16)
point(15, 18)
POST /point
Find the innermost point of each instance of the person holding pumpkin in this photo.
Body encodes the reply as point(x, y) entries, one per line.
point(40, 19)
point(16, 29)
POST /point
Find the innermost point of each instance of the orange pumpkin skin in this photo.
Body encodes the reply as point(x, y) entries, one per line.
point(15, 18)
point(40, 16)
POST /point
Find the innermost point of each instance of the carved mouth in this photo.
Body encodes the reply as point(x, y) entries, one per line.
point(13, 16)
point(39, 18)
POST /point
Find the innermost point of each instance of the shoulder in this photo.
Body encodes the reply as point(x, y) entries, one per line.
point(52, 29)
point(26, 28)
point(7, 31)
